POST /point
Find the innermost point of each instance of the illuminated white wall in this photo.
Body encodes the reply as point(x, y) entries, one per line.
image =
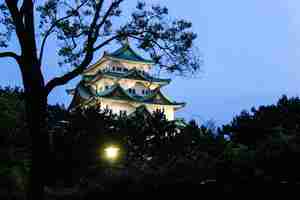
point(119, 105)
point(168, 110)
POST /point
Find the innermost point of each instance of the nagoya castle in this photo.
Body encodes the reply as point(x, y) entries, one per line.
point(121, 81)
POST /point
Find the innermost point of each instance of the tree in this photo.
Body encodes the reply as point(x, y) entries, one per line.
point(11, 112)
point(251, 128)
point(264, 144)
point(82, 27)
point(14, 142)
point(154, 151)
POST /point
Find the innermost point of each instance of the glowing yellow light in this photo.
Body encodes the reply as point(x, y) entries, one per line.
point(111, 152)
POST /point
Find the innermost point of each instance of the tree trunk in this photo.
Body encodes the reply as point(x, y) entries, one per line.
point(36, 116)
point(36, 109)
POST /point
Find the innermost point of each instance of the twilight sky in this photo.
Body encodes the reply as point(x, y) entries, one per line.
point(251, 52)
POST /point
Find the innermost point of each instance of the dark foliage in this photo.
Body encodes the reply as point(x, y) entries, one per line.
point(251, 128)
point(268, 143)
point(152, 149)
point(157, 156)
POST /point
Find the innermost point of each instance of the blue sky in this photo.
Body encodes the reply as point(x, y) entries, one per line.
point(251, 52)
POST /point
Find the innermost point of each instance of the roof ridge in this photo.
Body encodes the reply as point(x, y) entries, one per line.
point(126, 47)
point(158, 92)
point(87, 94)
point(146, 76)
point(114, 88)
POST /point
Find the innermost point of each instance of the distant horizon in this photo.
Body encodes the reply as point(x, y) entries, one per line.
point(251, 53)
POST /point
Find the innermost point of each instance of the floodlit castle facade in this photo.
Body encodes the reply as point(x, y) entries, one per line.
point(121, 81)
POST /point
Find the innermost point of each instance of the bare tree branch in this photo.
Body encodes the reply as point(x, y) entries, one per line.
point(165, 49)
point(92, 36)
point(9, 54)
point(28, 15)
point(17, 20)
point(50, 30)
point(13, 9)
point(78, 70)
point(106, 42)
point(91, 39)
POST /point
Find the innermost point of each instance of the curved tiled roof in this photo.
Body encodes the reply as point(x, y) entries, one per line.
point(117, 92)
point(136, 75)
point(133, 74)
point(127, 53)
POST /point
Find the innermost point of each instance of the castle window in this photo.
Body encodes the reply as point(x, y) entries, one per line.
point(106, 87)
point(130, 90)
point(114, 68)
point(119, 69)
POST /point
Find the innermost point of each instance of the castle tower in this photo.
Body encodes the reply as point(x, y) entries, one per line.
point(121, 81)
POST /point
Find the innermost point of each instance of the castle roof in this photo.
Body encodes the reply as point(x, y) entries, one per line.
point(133, 74)
point(118, 93)
point(127, 53)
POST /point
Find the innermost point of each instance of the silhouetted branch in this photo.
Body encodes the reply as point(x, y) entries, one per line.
point(108, 12)
point(106, 42)
point(50, 30)
point(17, 19)
point(91, 39)
point(9, 54)
point(78, 70)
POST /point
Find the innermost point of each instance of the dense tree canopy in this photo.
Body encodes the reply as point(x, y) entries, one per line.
point(156, 154)
point(151, 147)
point(11, 110)
point(250, 128)
point(266, 142)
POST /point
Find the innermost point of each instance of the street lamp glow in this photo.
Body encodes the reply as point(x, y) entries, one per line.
point(111, 152)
